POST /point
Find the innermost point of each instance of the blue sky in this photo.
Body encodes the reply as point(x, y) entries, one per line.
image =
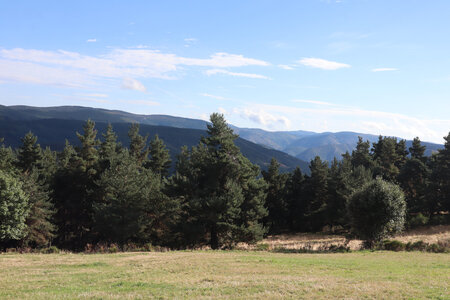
point(380, 67)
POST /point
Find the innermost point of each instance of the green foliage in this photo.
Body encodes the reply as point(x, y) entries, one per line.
point(317, 195)
point(40, 229)
point(440, 178)
point(138, 144)
point(159, 161)
point(89, 143)
point(361, 155)
point(132, 206)
point(393, 245)
point(417, 220)
point(377, 210)
point(29, 153)
point(219, 188)
point(13, 208)
point(295, 199)
point(276, 202)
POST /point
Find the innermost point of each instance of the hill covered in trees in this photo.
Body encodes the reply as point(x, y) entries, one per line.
point(54, 132)
point(304, 145)
point(100, 192)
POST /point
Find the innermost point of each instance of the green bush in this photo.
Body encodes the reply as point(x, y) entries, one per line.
point(418, 220)
point(50, 250)
point(377, 211)
point(416, 246)
point(393, 245)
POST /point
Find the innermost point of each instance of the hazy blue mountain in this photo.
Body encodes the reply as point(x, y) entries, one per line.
point(54, 132)
point(328, 145)
point(304, 145)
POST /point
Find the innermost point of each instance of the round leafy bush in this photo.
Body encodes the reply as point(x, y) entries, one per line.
point(377, 211)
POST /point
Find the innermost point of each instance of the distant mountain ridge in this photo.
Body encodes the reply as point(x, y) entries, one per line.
point(304, 145)
point(54, 132)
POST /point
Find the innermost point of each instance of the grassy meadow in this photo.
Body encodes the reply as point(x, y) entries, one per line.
point(225, 274)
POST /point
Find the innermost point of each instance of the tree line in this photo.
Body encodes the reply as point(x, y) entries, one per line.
point(102, 192)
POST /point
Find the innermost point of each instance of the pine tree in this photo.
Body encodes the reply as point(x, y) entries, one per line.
point(29, 153)
point(220, 189)
point(276, 202)
point(109, 148)
point(159, 161)
point(361, 155)
point(295, 199)
point(74, 190)
point(88, 152)
point(440, 178)
point(317, 194)
point(414, 179)
point(386, 154)
point(40, 229)
point(417, 150)
point(138, 144)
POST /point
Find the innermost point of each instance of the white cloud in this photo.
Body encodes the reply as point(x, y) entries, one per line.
point(248, 75)
point(28, 72)
point(66, 68)
point(384, 69)
point(222, 110)
point(262, 117)
point(322, 64)
point(312, 102)
point(212, 96)
point(348, 119)
point(285, 67)
point(133, 84)
point(91, 40)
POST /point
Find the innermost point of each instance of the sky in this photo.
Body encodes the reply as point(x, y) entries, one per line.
point(380, 67)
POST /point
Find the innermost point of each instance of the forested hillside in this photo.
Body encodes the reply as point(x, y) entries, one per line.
point(304, 145)
point(54, 132)
point(105, 192)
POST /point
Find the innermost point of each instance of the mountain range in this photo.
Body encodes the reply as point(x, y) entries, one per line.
point(290, 148)
point(55, 125)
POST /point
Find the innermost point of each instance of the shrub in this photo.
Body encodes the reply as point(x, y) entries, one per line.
point(393, 245)
point(416, 246)
point(50, 250)
point(377, 211)
point(418, 220)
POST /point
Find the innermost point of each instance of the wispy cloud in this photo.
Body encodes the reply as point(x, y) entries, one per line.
point(342, 118)
point(64, 68)
point(226, 72)
point(91, 40)
point(262, 117)
point(133, 84)
point(212, 96)
point(322, 64)
point(313, 102)
point(384, 69)
point(285, 67)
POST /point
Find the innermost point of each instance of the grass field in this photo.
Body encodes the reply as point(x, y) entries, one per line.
point(225, 274)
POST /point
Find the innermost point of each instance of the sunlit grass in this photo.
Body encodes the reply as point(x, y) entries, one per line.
point(234, 274)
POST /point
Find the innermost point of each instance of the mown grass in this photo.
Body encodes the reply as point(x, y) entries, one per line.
point(225, 274)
